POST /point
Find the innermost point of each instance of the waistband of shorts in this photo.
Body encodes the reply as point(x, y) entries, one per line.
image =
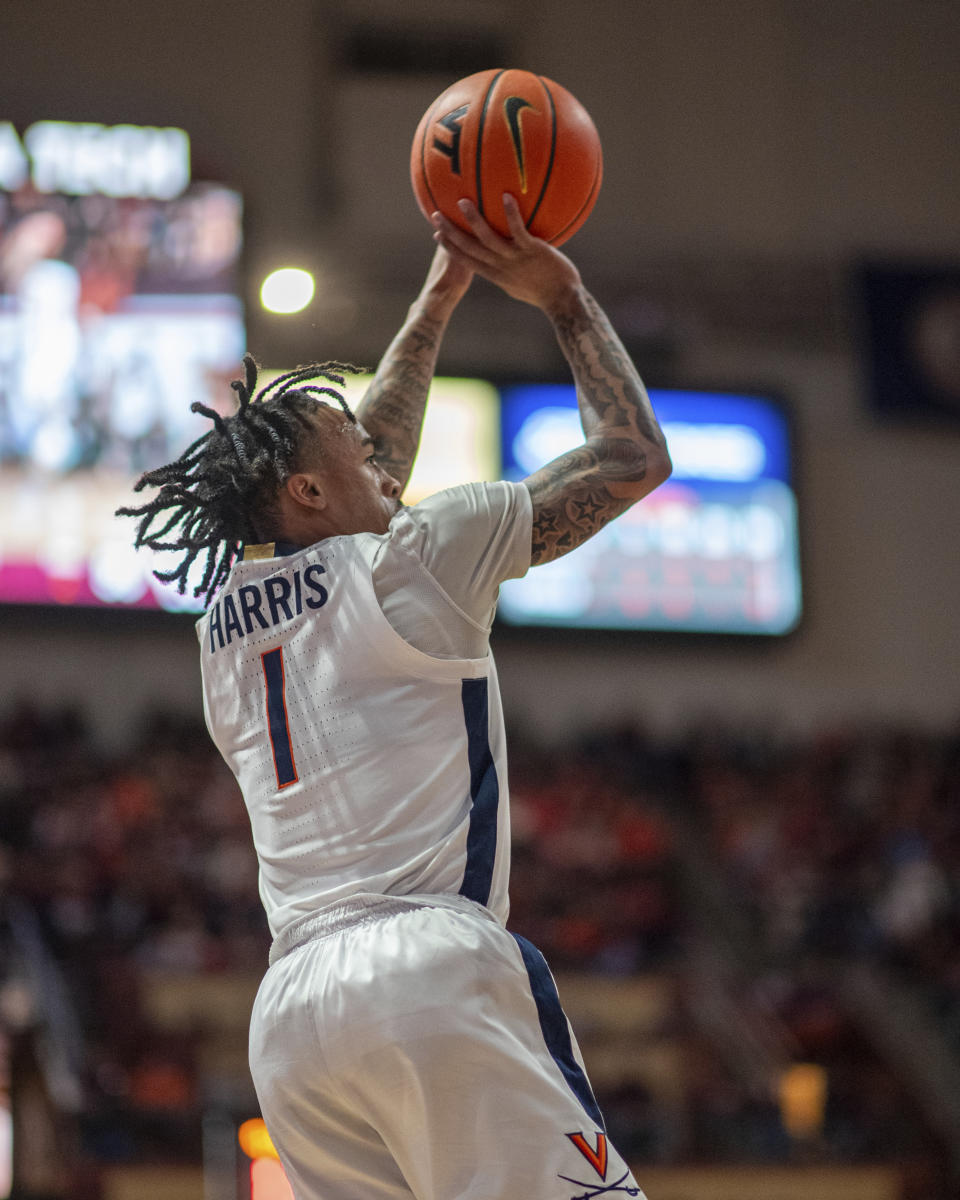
point(361, 910)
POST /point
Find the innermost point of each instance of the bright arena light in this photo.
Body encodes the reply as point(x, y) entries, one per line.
point(287, 290)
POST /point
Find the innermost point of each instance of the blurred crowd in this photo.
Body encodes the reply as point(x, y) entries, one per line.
point(841, 847)
point(828, 850)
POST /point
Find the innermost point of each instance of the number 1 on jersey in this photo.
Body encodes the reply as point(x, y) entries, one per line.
point(277, 723)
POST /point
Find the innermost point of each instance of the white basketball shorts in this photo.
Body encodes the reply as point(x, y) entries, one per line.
point(414, 1048)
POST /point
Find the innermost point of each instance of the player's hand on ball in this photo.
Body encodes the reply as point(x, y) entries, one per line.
point(526, 267)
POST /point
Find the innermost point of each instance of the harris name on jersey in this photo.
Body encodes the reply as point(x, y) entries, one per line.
point(266, 603)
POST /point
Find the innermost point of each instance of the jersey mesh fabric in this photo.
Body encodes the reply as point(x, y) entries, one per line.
point(395, 780)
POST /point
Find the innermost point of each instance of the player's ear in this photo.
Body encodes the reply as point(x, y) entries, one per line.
point(307, 489)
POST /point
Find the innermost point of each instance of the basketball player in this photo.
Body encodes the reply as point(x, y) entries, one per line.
point(403, 1043)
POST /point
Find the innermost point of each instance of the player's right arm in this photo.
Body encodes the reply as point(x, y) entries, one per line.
point(624, 454)
point(393, 408)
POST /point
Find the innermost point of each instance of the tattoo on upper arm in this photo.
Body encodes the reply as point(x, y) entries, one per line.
point(571, 496)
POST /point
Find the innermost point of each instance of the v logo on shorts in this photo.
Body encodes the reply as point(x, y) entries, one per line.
point(597, 1158)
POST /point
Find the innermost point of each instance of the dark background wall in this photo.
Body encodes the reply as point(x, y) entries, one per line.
point(754, 153)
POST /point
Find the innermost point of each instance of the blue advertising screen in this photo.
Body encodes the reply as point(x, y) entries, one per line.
point(713, 550)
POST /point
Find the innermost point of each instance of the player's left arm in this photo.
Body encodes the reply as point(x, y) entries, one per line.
point(393, 407)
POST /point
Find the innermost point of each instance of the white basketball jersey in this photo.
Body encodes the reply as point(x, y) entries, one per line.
point(366, 765)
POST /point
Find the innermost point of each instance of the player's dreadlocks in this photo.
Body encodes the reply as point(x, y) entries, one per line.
point(213, 495)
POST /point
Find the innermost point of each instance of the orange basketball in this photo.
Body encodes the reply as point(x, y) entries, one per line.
point(508, 131)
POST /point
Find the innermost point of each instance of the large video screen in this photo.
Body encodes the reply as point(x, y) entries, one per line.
point(117, 311)
point(713, 550)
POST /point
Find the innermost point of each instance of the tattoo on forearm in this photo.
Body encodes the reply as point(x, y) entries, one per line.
point(392, 410)
point(611, 391)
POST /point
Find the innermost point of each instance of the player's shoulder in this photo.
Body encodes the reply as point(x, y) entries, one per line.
point(462, 522)
point(468, 499)
point(462, 508)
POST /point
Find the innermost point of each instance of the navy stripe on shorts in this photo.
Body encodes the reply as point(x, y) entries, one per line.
point(556, 1031)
